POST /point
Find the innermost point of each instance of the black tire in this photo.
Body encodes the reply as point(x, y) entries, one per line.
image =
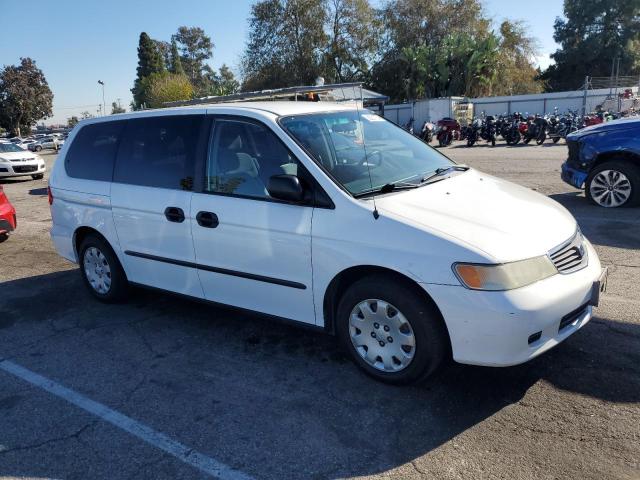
point(493, 141)
point(432, 345)
point(541, 138)
point(631, 171)
point(470, 142)
point(119, 284)
point(38, 148)
point(556, 139)
point(38, 176)
point(526, 140)
point(4, 237)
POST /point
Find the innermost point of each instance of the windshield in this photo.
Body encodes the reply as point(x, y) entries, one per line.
point(387, 155)
point(9, 147)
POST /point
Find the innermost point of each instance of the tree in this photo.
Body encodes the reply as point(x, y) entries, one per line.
point(195, 47)
point(25, 96)
point(590, 37)
point(226, 82)
point(518, 74)
point(84, 115)
point(72, 121)
point(354, 29)
point(175, 63)
point(149, 62)
point(116, 108)
point(166, 87)
point(287, 41)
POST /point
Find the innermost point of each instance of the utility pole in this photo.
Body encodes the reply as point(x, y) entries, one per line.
point(103, 102)
point(584, 96)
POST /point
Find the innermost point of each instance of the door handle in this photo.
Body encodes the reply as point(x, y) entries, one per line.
point(174, 214)
point(207, 219)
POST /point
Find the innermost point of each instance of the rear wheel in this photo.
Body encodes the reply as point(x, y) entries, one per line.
point(393, 334)
point(614, 184)
point(556, 139)
point(38, 148)
point(101, 270)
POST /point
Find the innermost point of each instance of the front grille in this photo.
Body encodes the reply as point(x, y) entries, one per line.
point(23, 159)
point(25, 168)
point(574, 152)
point(570, 256)
point(571, 317)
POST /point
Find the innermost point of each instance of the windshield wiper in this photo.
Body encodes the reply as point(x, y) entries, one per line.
point(441, 171)
point(388, 188)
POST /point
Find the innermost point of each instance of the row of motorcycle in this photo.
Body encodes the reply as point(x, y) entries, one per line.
point(512, 128)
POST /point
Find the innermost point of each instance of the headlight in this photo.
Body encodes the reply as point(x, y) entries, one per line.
point(506, 276)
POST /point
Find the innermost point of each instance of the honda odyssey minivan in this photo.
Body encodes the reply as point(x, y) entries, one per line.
point(328, 215)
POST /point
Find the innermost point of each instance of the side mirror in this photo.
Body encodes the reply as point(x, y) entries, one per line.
point(286, 187)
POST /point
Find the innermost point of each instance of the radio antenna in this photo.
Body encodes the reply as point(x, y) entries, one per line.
point(376, 215)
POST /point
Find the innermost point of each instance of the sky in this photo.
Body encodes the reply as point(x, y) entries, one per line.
point(78, 42)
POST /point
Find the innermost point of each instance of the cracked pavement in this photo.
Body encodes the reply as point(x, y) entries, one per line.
point(279, 402)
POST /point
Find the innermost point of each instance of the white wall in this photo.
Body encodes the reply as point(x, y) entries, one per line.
point(437, 108)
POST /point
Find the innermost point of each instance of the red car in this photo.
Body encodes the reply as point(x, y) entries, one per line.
point(7, 216)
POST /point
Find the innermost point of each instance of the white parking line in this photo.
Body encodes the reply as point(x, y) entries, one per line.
point(183, 453)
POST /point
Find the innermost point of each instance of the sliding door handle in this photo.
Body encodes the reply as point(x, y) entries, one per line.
point(174, 214)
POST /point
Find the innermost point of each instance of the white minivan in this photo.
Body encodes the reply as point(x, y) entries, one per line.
point(328, 215)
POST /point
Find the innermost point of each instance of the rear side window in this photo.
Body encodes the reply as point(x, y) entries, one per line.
point(93, 151)
point(159, 152)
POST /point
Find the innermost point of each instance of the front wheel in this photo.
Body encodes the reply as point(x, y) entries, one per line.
point(394, 334)
point(38, 148)
point(556, 139)
point(101, 270)
point(614, 184)
point(470, 141)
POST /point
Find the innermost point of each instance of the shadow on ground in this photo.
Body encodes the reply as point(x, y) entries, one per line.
point(264, 388)
point(613, 227)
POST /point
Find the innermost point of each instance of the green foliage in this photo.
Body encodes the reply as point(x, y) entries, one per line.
point(25, 96)
point(354, 30)
point(445, 48)
point(72, 121)
point(175, 63)
point(195, 47)
point(115, 108)
point(286, 44)
point(150, 61)
point(594, 33)
point(166, 87)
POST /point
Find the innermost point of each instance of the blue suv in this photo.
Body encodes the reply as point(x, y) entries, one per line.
point(605, 160)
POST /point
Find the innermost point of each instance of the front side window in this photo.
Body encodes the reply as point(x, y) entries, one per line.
point(363, 151)
point(93, 151)
point(159, 152)
point(243, 156)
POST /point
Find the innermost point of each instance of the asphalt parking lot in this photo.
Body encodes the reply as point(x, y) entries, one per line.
point(257, 399)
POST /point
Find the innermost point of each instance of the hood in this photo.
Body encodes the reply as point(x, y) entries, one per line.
point(17, 156)
point(504, 220)
point(621, 124)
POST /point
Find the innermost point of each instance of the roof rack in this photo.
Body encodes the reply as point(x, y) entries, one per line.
point(331, 92)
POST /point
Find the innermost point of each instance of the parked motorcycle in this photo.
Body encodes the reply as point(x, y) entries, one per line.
point(426, 132)
point(481, 129)
point(512, 134)
point(447, 128)
point(536, 129)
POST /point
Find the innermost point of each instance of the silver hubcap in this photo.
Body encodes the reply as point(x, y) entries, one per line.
point(610, 188)
point(382, 335)
point(97, 270)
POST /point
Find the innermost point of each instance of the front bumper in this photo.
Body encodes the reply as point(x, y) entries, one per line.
point(512, 327)
point(572, 176)
point(20, 169)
